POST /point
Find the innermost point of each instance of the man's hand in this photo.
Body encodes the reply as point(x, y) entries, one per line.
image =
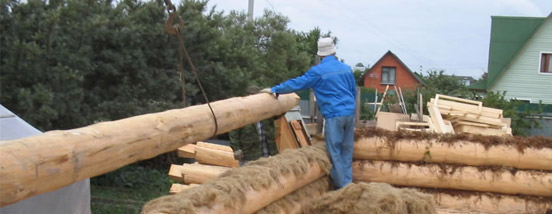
point(269, 91)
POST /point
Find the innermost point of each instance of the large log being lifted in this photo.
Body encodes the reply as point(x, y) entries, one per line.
point(43, 163)
point(461, 152)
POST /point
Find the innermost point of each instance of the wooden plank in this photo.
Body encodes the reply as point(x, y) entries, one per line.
point(486, 111)
point(382, 99)
point(387, 120)
point(215, 146)
point(215, 157)
point(299, 133)
point(175, 172)
point(187, 151)
point(480, 130)
point(436, 119)
point(284, 137)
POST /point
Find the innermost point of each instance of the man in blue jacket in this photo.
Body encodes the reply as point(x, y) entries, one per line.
point(335, 90)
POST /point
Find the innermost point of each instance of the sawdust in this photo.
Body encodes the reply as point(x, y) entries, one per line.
point(373, 198)
point(520, 143)
point(229, 189)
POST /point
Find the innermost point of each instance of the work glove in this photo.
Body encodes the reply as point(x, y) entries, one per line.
point(238, 154)
point(269, 91)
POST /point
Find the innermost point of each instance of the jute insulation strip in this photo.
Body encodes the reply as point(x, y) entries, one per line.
point(257, 199)
point(38, 164)
point(460, 152)
point(463, 178)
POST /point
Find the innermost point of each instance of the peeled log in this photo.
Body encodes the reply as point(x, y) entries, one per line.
point(460, 152)
point(46, 162)
point(462, 178)
point(257, 199)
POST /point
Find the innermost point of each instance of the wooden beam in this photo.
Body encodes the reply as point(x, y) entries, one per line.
point(215, 157)
point(46, 162)
point(284, 138)
point(215, 146)
point(187, 151)
point(461, 152)
point(533, 183)
point(301, 135)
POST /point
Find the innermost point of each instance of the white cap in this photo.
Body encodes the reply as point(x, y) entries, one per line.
point(326, 46)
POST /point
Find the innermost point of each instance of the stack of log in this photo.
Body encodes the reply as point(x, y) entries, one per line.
point(463, 172)
point(211, 161)
point(456, 115)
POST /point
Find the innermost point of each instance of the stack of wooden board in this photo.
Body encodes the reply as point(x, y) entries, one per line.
point(456, 115)
point(212, 160)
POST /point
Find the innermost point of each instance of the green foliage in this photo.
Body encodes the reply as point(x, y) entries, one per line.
point(436, 82)
point(127, 189)
point(70, 63)
point(358, 77)
point(519, 112)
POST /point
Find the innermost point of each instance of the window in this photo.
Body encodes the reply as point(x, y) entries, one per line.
point(388, 75)
point(546, 63)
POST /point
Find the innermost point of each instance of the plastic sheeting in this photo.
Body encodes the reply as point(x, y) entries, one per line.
point(72, 199)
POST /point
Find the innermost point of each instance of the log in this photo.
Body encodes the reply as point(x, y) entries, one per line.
point(460, 152)
point(461, 178)
point(492, 203)
point(195, 173)
point(46, 162)
point(257, 199)
point(216, 157)
point(187, 151)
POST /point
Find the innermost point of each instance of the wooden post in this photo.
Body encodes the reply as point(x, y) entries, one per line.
point(55, 159)
point(358, 106)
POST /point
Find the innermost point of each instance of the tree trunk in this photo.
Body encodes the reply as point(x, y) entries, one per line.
point(55, 159)
point(449, 177)
point(462, 152)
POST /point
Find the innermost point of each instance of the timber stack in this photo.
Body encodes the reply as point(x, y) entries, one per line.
point(449, 115)
point(463, 171)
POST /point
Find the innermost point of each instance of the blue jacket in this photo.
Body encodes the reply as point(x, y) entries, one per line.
point(333, 83)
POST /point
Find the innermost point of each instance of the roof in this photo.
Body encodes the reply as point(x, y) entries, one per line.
point(508, 36)
point(396, 58)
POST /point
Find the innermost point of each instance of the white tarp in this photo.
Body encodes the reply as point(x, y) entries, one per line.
point(72, 199)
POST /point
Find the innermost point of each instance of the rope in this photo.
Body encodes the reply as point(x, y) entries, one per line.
point(175, 29)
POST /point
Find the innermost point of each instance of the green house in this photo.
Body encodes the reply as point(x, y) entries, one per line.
point(520, 61)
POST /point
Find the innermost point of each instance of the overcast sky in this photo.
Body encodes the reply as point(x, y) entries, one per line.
point(452, 35)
